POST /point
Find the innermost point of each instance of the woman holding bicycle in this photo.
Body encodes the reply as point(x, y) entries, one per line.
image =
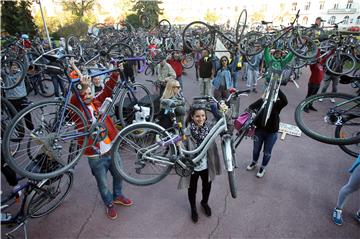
point(207, 168)
point(266, 135)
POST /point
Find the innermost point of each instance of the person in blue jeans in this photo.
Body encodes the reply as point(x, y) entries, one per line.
point(267, 135)
point(98, 153)
point(350, 187)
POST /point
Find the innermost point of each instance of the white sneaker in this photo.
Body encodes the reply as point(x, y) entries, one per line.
point(332, 100)
point(321, 100)
point(260, 173)
point(251, 166)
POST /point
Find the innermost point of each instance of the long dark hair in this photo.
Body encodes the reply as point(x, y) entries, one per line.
point(195, 107)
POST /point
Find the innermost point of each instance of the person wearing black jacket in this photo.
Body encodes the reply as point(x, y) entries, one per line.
point(267, 135)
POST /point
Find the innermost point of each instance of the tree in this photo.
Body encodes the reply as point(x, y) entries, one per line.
point(79, 7)
point(211, 17)
point(16, 17)
point(150, 8)
point(133, 19)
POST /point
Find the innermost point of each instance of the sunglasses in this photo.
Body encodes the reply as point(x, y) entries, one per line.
point(177, 86)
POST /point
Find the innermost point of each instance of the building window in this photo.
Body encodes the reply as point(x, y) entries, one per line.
point(349, 4)
point(322, 3)
point(332, 20)
point(307, 6)
point(336, 5)
point(358, 20)
point(346, 20)
point(294, 6)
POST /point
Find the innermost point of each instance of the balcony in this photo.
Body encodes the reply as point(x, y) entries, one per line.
point(342, 11)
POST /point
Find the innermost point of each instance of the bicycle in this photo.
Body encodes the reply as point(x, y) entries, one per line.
point(58, 125)
point(342, 117)
point(40, 199)
point(148, 152)
point(199, 35)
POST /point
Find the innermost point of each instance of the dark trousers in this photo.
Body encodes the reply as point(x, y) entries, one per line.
point(266, 139)
point(58, 85)
point(20, 104)
point(312, 90)
point(9, 174)
point(206, 187)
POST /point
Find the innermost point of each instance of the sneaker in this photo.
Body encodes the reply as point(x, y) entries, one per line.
point(336, 216)
point(123, 201)
point(321, 100)
point(332, 100)
point(357, 215)
point(254, 90)
point(111, 212)
point(260, 173)
point(251, 166)
point(194, 215)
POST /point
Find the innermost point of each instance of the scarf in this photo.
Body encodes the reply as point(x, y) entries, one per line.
point(199, 133)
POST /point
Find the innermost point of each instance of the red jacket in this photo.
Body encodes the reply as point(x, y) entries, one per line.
point(177, 66)
point(97, 102)
point(317, 69)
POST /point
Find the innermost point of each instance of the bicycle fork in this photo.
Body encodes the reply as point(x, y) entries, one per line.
point(227, 150)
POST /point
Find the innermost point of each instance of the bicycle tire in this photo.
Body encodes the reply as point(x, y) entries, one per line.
point(73, 46)
point(129, 148)
point(241, 24)
point(322, 128)
point(48, 87)
point(302, 51)
point(149, 70)
point(7, 71)
point(47, 139)
point(127, 112)
point(188, 62)
point(119, 50)
point(8, 112)
point(48, 191)
point(330, 66)
point(202, 40)
point(228, 152)
point(232, 184)
point(248, 42)
point(351, 149)
point(269, 104)
point(164, 26)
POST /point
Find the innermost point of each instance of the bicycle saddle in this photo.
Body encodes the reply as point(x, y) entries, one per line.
point(265, 22)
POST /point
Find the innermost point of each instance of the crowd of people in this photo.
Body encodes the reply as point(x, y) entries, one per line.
point(215, 76)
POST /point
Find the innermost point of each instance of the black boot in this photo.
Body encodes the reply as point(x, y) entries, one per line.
point(194, 215)
point(206, 208)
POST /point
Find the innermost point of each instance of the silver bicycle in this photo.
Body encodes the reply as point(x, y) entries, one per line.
point(144, 153)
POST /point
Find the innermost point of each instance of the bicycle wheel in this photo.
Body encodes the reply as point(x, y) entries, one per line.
point(198, 36)
point(232, 183)
point(120, 50)
point(321, 124)
point(149, 70)
point(302, 46)
point(8, 112)
point(138, 157)
point(46, 87)
point(229, 165)
point(270, 94)
point(341, 64)
point(45, 138)
point(241, 24)
point(73, 46)
point(48, 195)
point(188, 61)
point(342, 131)
point(12, 73)
point(164, 26)
point(252, 43)
point(135, 105)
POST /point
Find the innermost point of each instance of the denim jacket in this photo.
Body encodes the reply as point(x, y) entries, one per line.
point(227, 73)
